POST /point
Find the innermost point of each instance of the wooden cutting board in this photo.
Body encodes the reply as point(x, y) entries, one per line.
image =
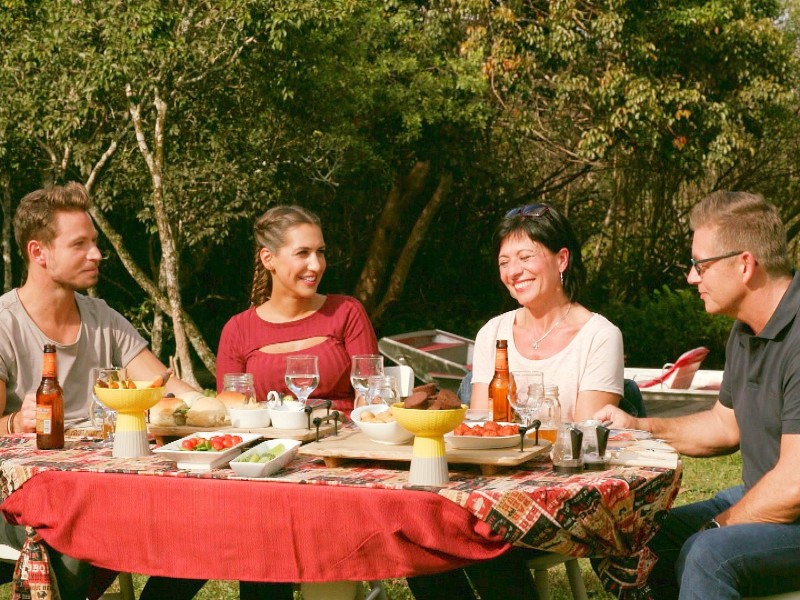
point(354, 445)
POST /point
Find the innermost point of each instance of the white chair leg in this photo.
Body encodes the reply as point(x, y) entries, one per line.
point(542, 582)
point(376, 591)
point(576, 580)
point(125, 589)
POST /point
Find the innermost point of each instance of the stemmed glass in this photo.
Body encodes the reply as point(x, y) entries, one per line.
point(103, 418)
point(529, 391)
point(363, 367)
point(302, 376)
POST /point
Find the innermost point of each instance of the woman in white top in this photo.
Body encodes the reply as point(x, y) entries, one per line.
point(579, 351)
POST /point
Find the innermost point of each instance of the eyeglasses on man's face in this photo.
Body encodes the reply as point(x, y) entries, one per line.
point(701, 266)
point(531, 210)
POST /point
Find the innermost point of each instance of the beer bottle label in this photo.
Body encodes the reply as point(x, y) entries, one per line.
point(44, 420)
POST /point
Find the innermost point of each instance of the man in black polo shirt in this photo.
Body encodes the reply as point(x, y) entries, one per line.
point(746, 540)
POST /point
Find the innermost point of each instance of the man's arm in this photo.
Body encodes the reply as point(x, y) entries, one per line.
point(146, 366)
point(24, 419)
point(776, 497)
point(708, 433)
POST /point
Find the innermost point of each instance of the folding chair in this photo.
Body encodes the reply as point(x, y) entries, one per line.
point(679, 375)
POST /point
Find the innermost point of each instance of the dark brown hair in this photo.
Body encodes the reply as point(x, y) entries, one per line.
point(35, 218)
point(548, 227)
point(270, 232)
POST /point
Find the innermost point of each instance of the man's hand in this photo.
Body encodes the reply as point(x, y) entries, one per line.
point(619, 418)
point(25, 420)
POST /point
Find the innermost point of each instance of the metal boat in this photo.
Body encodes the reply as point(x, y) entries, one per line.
point(663, 400)
point(436, 356)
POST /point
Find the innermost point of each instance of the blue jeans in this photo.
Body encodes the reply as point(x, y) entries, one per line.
point(725, 563)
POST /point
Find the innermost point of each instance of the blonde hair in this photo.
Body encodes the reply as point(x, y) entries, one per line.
point(270, 233)
point(746, 222)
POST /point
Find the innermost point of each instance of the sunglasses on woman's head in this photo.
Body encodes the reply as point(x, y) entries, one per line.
point(531, 210)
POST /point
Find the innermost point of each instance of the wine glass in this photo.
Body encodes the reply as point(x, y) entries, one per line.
point(363, 367)
point(302, 376)
point(103, 418)
point(528, 392)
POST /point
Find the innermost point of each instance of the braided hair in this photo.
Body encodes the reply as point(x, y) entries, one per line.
point(270, 233)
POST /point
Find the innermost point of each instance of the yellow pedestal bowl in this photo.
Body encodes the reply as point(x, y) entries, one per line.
point(428, 460)
point(130, 435)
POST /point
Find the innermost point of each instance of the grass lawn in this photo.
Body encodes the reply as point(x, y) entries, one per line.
point(701, 479)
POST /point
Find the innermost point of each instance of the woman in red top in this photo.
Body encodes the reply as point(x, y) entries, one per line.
point(288, 316)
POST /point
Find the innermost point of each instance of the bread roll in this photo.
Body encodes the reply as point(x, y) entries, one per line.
point(165, 412)
point(190, 396)
point(206, 412)
point(231, 399)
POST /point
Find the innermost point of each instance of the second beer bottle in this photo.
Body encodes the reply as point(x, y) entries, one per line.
point(49, 404)
point(499, 408)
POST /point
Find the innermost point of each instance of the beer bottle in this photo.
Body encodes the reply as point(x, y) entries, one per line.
point(499, 408)
point(49, 404)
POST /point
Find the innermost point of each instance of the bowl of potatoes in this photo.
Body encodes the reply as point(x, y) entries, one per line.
point(377, 423)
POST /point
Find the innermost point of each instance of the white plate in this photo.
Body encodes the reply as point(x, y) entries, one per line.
point(628, 435)
point(248, 469)
point(472, 442)
point(204, 460)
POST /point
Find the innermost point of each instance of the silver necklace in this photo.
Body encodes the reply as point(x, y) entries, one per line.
point(552, 327)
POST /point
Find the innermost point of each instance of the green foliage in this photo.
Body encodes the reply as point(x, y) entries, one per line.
point(621, 112)
point(665, 324)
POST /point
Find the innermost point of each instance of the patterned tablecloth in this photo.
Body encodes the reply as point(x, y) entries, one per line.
point(609, 514)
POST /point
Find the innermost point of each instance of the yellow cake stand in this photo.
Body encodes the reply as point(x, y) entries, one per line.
point(130, 435)
point(428, 459)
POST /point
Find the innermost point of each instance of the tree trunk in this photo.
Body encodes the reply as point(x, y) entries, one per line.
point(161, 302)
point(157, 335)
point(8, 280)
point(412, 246)
point(383, 242)
point(149, 286)
point(155, 164)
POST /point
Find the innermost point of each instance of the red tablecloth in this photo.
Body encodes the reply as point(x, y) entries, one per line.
point(206, 528)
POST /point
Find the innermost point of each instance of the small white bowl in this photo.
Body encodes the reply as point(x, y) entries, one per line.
point(383, 433)
point(246, 418)
point(289, 415)
point(248, 469)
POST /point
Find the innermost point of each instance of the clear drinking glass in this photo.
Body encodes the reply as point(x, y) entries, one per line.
point(364, 366)
point(302, 375)
point(382, 389)
point(103, 418)
point(528, 393)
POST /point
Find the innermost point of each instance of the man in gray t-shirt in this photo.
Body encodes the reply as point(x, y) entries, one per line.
point(58, 241)
point(105, 338)
point(745, 540)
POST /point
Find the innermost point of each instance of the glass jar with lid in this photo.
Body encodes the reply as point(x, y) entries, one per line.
point(241, 383)
point(549, 413)
point(382, 389)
